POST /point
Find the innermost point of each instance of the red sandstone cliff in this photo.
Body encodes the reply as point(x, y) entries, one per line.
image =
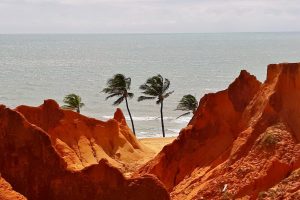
point(48, 153)
point(243, 142)
point(82, 141)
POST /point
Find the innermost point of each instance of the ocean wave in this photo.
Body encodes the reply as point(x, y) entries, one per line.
point(107, 117)
point(173, 130)
point(181, 120)
point(135, 118)
point(143, 118)
point(144, 134)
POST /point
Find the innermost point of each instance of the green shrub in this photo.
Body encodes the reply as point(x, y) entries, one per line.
point(269, 140)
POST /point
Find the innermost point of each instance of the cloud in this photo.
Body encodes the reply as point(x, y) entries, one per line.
point(105, 16)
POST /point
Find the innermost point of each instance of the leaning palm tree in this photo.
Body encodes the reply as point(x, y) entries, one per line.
point(156, 87)
point(187, 103)
point(119, 86)
point(73, 102)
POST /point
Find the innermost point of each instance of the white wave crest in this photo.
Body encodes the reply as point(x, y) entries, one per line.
point(182, 120)
point(146, 118)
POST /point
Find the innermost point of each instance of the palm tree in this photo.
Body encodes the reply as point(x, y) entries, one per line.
point(156, 87)
point(119, 86)
point(73, 102)
point(187, 103)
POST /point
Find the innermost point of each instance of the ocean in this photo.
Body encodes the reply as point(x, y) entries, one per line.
point(36, 67)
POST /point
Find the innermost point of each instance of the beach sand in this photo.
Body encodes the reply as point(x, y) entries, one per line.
point(151, 146)
point(156, 144)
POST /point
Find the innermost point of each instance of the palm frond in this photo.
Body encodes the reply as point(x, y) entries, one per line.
point(149, 90)
point(117, 82)
point(142, 98)
point(107, 90)
point(187, 103)
point(184, 114)
point(166, 85)
point(112, 95)
point(81, 105)
point(155, 86)
point(130, 95)
point(159, 100)
point(72, 102)
point(167, 94)
point(118, 101)
point(111, 90)
point(156, 83)
point(128, 83)
point(118, 85)
point(67, 107)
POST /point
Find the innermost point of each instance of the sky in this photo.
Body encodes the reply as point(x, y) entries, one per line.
point(148, 16)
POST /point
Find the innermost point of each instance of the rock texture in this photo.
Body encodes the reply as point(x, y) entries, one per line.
point(288, 188)
point(83, 141)
point(242, 142)
point(47, 153)
point(7, 193)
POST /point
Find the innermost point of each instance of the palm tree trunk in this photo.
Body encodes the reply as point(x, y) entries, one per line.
point(162, 118)
point(78, 110)
point(133, 129)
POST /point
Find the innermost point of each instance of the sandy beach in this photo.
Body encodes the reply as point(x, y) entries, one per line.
point(156, 144)
point(152, 146)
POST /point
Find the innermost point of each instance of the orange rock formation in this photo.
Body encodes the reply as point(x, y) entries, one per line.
point(83, 141)
point(48, 153)
point(7, 193)
point(242, 142)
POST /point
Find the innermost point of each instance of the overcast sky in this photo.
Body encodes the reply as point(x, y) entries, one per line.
point(148, 16)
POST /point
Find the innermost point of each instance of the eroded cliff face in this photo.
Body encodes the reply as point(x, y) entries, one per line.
point(288, 188)
point(241, 143)
point(37, 161)
point(83, 141)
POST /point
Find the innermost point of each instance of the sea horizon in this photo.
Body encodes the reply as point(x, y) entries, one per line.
point(142, 33)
